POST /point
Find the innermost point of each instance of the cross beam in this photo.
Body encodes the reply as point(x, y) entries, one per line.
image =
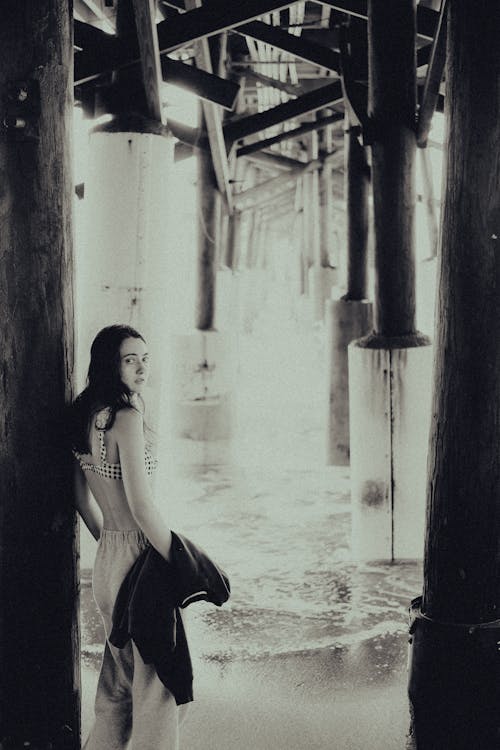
point(433, 79)
point(99, 48)
point(427, 19)
point(307, 127)
point(212, 18)
point(326, 96)
point(307, 50)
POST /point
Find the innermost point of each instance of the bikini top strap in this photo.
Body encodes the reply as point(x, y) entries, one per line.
point(100, 425)
point(103, 452)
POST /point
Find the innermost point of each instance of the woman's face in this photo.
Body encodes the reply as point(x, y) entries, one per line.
point(134, 364)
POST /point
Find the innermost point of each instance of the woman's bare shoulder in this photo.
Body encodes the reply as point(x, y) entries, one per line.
point(127, 420)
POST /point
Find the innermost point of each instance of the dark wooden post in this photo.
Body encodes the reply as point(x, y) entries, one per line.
point(455, 676)
point(233, 240)
point(391, 109)
point(356, 190)
point(207, 230)
point(39, 642)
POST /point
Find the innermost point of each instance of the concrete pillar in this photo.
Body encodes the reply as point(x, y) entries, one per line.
point(201, 381)
point(390, 371)
point(321, 283)
point(389, 403)
point(346, 320)
point(124, 257)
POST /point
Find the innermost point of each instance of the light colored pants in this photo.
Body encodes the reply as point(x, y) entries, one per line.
point(131, 702)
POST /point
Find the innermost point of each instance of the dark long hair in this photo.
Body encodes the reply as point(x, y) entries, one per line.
point(105, 387)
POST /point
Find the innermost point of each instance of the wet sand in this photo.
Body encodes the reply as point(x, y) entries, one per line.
point(305, 701)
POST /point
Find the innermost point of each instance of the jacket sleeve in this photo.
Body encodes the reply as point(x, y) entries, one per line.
point(197, 577)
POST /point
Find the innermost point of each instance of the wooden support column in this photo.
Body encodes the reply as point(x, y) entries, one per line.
point(39, 639)
point(322, 276)
point(233, 240)
point(207, 230)
point(455, 675)
point(350, 317)
point(222, 230)
point(391, 109)
point(313, 203)
point(326, 201)
point(356, 190)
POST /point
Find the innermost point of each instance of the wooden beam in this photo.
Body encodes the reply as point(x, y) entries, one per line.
point(197, 23)
point(207, 86)
point(212, 18)
point(433, 79)
point(277, 184)
point(91, 12)
point(145, 13)
point(288, 191)
point(325, 96)
point(427, 19)
point(274, 160)
point(195, 137)
point(263, 190)
point(304, 49)
point(244, 69)
point(213, 121)
point(100, 50)
point(101, 53)
point(307, 127)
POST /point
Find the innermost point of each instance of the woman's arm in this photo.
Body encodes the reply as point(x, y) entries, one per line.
point(86, 505)
point(130, 440)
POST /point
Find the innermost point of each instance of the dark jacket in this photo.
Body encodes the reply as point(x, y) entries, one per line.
point(147, 609)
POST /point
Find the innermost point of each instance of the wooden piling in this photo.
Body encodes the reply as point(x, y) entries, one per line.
point(233, 240)
point(207, 231)
point(356, 190)
point(463, 557)
point(455, 677)
point(391, 111)
point(39, 639)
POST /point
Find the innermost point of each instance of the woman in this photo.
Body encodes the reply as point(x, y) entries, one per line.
point(114, 461)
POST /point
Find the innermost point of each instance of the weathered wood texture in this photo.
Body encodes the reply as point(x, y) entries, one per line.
point(39, 643)
point(207, 234)
point(462, 569)
point(145, 13)
point(357, 188)
point(391, 109)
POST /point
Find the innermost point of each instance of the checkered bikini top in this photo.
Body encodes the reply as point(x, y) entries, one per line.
point(105, 469)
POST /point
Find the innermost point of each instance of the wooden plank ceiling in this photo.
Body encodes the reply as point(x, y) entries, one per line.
point(268, 73)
